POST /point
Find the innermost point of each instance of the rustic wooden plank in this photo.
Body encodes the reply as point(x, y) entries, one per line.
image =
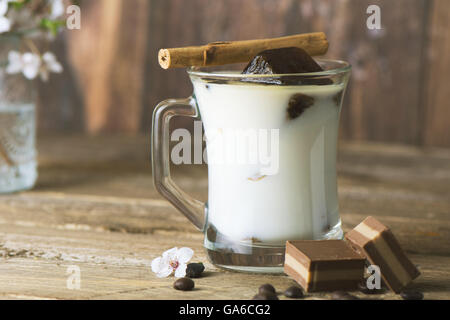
point(109, 53)
point(96, 208)
point(116, 266)
point(436, 128)
point(418, 223)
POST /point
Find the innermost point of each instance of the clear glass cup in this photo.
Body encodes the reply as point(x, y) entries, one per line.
point(18, 165)
point(280, 181)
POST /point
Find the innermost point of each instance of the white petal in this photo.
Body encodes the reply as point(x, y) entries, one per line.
point(170, 254)
point(184, 254)
point(164, 272)
point(181, 270)
point(14, 62)
point(5, 24)
point(156, 264)
point(31, 65)
point(29, 57)
point(52, 64)
point(14, 56)
point(30, 72)
point(48, 57)
point(57, 9)
point(3, 7)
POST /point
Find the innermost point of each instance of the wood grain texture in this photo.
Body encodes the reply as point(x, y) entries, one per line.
point(108, 53)
point(437, 96)
point(95, 207)
point(397, 92)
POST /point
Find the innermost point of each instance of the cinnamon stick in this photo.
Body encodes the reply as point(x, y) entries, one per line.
point(227, 52)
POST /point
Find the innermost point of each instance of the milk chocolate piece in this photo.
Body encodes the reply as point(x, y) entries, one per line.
point(323, 265)
point(378, 244)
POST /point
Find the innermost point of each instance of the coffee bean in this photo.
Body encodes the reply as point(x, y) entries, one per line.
point(293, 292)
point(266, 296)
point(411, 295)
point(194, 270)
point(184, 284)
point(362, 286)
point(267, 288)
point(211, 234)
point(342, 295)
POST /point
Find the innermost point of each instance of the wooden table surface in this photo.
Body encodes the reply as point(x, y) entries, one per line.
point(95, 207)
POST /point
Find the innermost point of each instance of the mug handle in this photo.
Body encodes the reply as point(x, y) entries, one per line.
point(193, 209)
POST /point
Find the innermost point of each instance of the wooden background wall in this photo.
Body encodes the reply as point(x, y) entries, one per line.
point(399, 90)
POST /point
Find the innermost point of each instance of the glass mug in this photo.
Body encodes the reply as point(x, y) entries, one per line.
point(255, 205)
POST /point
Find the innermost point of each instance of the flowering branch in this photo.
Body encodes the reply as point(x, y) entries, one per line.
point(25, 20)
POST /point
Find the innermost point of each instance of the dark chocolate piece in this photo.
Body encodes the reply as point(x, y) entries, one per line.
point(298, 103)
point(323, 265)
point(282, 61)
point(378, 244)
point(290, 60)
point(194, 270)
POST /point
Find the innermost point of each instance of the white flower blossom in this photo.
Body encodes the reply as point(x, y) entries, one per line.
point(49, 64)
point(57, 9)
point(32, 65)
point(27, 63)
point(5, 23)
point(172, 260)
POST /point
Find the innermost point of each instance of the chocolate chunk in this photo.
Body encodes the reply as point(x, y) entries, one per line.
point(194, 270)
point(288, 60)
point(266, 288)
point(282, 61)
point(298, 103)
point(184, 284)
point(323, 265)
point(293, 292)
point(378, 244)
point(265, 296)
point(411, 295)
point(342, 295)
